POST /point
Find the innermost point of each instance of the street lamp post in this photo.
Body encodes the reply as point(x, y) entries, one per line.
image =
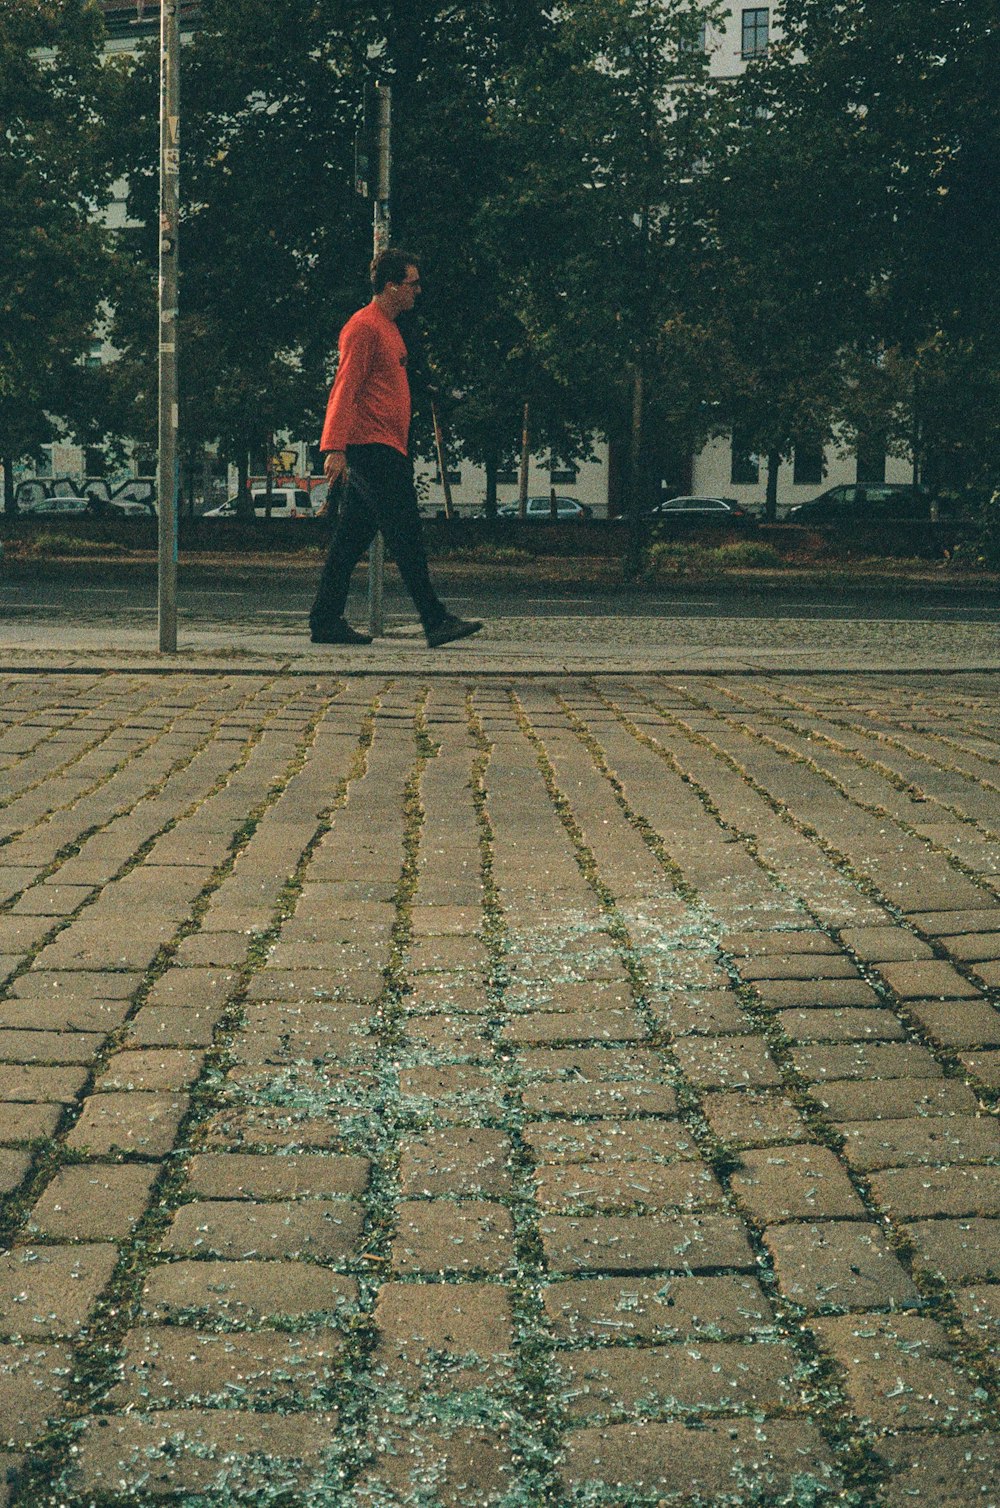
point(168, 299)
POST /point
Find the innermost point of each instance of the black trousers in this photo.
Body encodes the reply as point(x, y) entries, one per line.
point(379, 495)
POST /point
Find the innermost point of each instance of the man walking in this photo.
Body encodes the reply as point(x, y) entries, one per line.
point(366, 440)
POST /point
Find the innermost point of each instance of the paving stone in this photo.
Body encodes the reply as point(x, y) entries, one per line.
point(436, 992)
point(459, 1160)
point(656, 1309)
point(173, 1364)
point(448, 1082)
point(443, 1336)
point(842, 1264)
point(439, 1236)
point(899, 1372)
point(726, 1062)
point(870, 1145)
point(49, 1047)
point(575, 997)
point(307, 985)
point(979, 1307)
point(219, 950)
point(443, 921)
point(93, 1201)
point(644, 1243)
point(907, 1193)
point(740, 1459)
point(787, 994)
point(797, 966)
point(328, 1230)
point(608, 1140)
point(972, 1023)
point(654, 1185)
point(24, 1084)
point(145, 1124)
point(452, 1037)
point(885, 944)
point(989, 973)
point(941, 1471)
point(469, 1467)
point(298, 1175)
point(244, 1292)
point(465, 955)
point(753, 1117)
point(974, 947)
point(23, 1122)
point(794, 1183)
point(42, 984)
point(610, 1065)
point(768, 943)
point(265, 1128)
point(702, 1012)
point(865, 1060)
point(157, 1069)
point(14, 1165)
point(927, 979)
point(950, 923)
point(191, 987)
point(893, 1099)
point(33, 1379)
point(621, 1025)
point(846, 1025)
point(984, 1066)
point(610, 1380)
point(190, 1450)
point(52, 899)
point(174, 1026)
point(599, 1099)
point(960, 1251)
point(72, 1015)
point(49, 1290)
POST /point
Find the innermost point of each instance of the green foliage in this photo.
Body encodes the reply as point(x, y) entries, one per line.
point(54, 173)
point(666, 557)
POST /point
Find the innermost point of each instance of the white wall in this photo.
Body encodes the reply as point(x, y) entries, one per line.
point(469, 495)
point(713, 468)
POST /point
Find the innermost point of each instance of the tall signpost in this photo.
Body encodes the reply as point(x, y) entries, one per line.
point(167, 474)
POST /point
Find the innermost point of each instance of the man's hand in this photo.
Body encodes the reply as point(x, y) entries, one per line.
point(335, 466)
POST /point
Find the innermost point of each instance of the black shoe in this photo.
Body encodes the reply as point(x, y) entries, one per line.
point(339, 632)
point(451, 628)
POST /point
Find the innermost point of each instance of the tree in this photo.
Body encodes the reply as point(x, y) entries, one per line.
point(56, 259)
point(863, 161)
point(603, 128)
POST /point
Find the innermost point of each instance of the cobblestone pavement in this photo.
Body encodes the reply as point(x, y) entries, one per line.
point(449, 1092)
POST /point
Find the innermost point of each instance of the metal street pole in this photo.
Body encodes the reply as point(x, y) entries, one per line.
point(167, 471)
point(376, 555)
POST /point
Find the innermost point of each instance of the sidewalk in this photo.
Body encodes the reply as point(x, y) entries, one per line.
point(450, 1079)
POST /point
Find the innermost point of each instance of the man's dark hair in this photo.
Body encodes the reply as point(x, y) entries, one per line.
point(390, 267)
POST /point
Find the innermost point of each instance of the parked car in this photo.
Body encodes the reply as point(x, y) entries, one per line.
point(286, 502)
point(866, 503)
point(540, 509)
point(699, 512)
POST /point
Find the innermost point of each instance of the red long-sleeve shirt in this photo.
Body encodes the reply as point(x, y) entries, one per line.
point(369, 402)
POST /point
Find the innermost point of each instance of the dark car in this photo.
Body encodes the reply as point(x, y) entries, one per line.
point(540, 509)
point(696, 512)
point(867, 503)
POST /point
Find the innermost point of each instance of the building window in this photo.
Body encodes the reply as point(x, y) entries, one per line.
point(696, 40)
point(93, 358)
point(755, 32)
point(807, 466)
point(561, 475)
point(508, 476)
point(454, 477)
point(745, 468)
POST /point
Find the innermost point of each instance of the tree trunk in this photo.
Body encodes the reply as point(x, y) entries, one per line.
point(492, 466)
point(635, 498)
point(244, 502)
point(522, 481)
point(7, 463)
point(771, 499)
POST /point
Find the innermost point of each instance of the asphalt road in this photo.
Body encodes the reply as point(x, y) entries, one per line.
point(284, 598)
